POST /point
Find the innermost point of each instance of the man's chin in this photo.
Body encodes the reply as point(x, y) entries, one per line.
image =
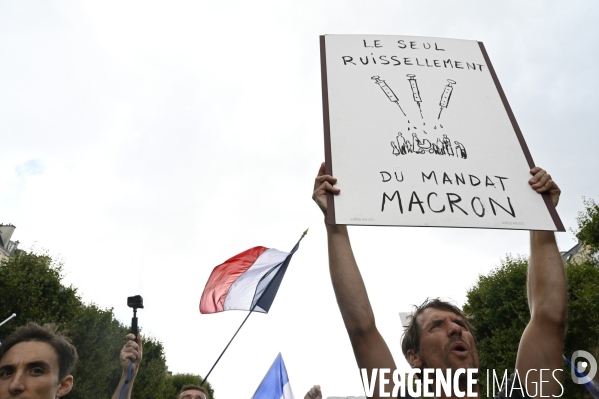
point(455, 365)
point(462, 362)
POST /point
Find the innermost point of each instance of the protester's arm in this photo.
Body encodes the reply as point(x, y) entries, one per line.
point(370, 349)
point(132, 352)
point(314, 393)
point(542, 342)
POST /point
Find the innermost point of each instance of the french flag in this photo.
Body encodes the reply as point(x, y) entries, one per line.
point(275, 384)
point(247, 281)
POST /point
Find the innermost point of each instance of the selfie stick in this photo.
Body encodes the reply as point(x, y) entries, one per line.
point(134, 328)
point(10, 317)
point(135, 302)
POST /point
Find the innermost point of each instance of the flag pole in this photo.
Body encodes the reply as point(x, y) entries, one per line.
point(10, 317)
point(223, 352)
point(303, 235)
point(244, 320)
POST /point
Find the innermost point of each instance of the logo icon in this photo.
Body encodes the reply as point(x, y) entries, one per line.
point(589, 367)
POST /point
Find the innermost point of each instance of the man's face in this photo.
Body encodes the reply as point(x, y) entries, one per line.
point(29, 370)
point(445, 342)
point(192, 394)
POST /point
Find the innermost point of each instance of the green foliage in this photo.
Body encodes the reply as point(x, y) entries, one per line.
point(98, 338)
point(498, 308)
point(583, 307)
point(499, 312)
point(152, 379)
point(31, 286)
point(588, 225)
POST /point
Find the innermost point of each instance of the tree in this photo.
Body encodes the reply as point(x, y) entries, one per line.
point(498, 309)
point(588, 225)
point(31, 286)
point(98, 338)
point(152, 379)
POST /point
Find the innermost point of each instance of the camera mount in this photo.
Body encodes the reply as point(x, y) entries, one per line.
point(135, 302)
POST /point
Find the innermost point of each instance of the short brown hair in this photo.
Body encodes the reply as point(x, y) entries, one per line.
point(411, 335)
point(189, 387)
point(49, 334)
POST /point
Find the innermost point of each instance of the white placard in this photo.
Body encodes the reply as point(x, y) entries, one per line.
point(419, 133)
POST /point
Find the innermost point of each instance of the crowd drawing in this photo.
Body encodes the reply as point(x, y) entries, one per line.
point(443, 146)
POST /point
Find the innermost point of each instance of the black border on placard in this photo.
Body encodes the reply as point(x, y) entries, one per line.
point(556, 219)
point(330, 218)
point(327, 128)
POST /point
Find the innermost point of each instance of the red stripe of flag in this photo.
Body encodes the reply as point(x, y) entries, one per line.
point(223, 276)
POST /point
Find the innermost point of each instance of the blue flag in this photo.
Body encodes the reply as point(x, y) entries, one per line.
point(275, 384)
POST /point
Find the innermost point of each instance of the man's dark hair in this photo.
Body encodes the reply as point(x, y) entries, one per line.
point(189, 387)
point(49, 334)
point(411, 335)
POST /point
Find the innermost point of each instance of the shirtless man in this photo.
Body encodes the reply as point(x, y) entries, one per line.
point(439, 336)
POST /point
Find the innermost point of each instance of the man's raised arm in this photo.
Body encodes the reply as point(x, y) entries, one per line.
point(542, 342)
point(370, 349)
point(130, 357)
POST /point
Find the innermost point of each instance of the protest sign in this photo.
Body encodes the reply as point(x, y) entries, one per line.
point(418, 132)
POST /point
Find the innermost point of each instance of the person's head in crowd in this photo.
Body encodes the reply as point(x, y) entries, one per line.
point(190, 391)
point(36, 362)
point(438, 335)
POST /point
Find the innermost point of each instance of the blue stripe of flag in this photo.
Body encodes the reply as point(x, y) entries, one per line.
point(272, 385)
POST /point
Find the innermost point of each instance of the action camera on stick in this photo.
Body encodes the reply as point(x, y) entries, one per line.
point(135, 302)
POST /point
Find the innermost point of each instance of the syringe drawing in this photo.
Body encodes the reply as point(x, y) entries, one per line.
point(415, 91)
point(415, 145)
point(387, 90)
point(446, 95)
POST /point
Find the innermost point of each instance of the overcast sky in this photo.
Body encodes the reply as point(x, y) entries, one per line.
point(144, 143)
